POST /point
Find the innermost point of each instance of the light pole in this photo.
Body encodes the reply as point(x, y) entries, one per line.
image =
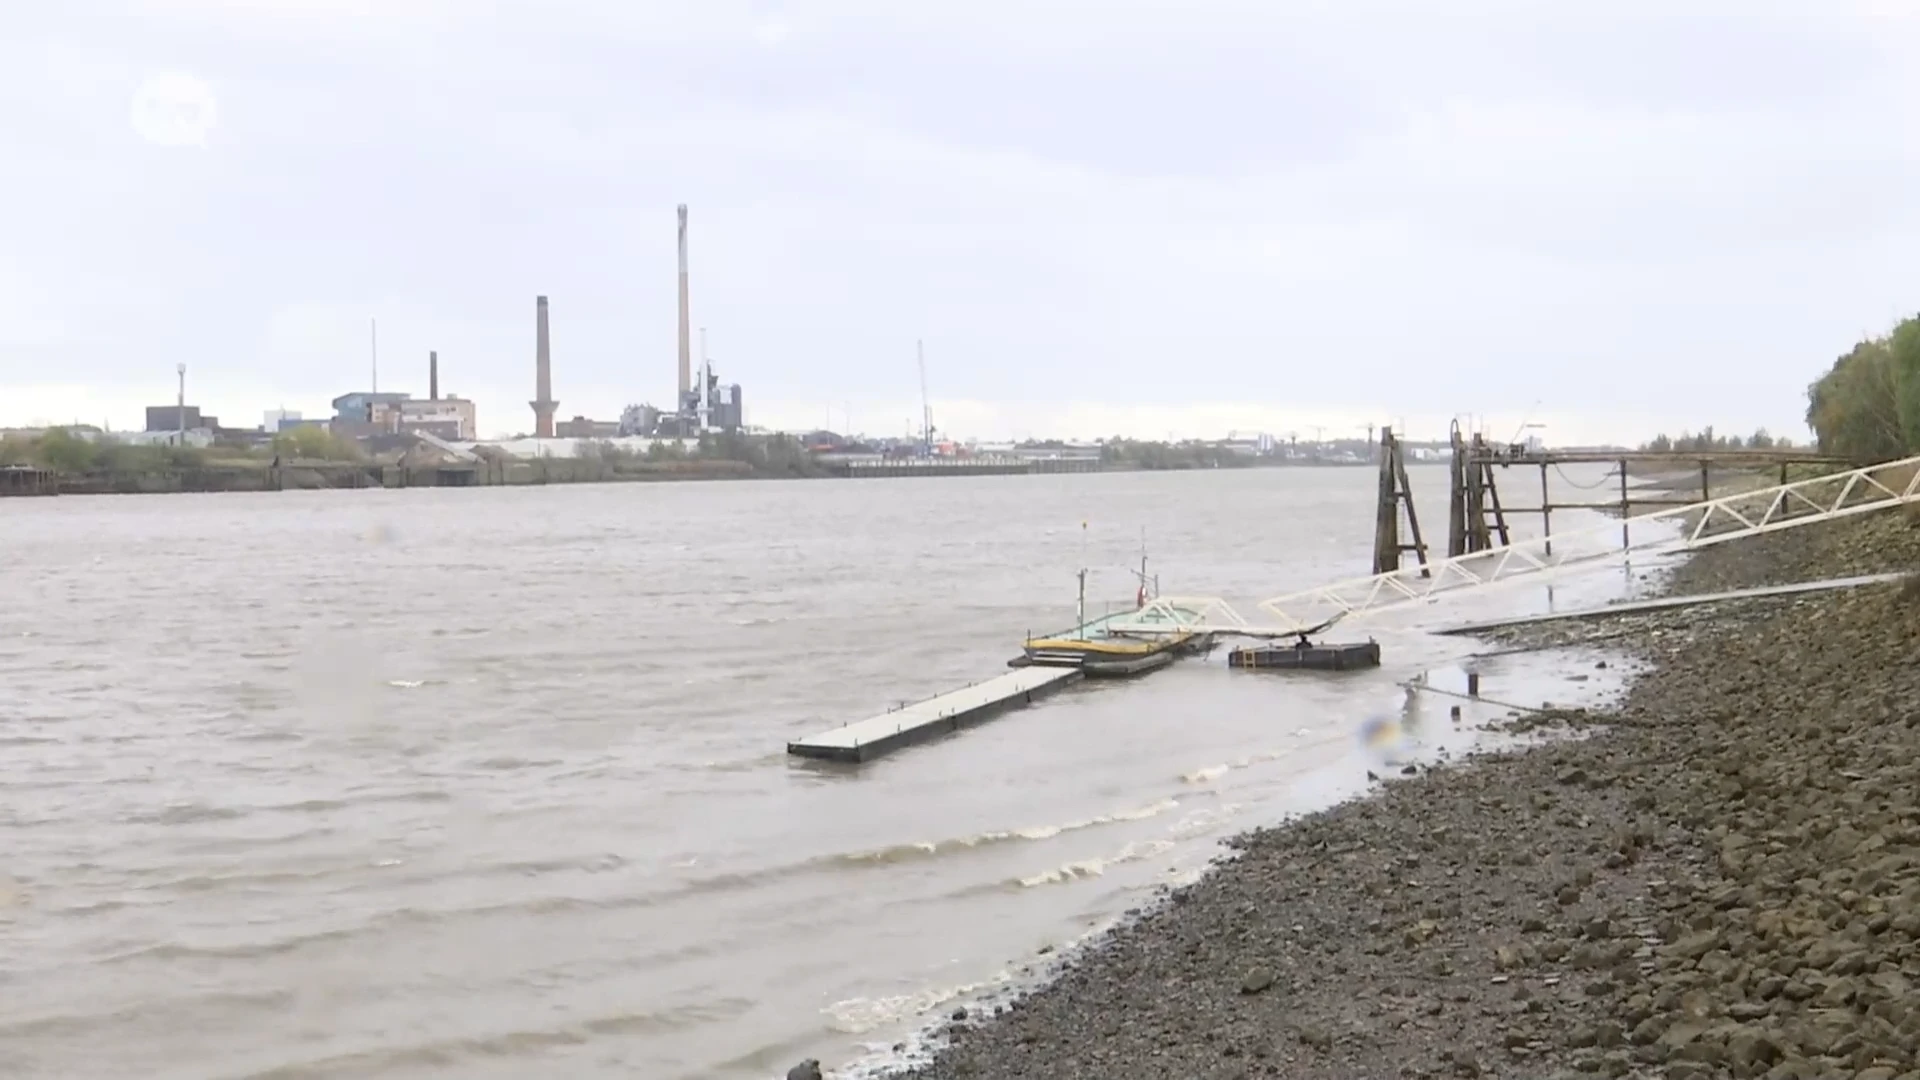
point(180, 410)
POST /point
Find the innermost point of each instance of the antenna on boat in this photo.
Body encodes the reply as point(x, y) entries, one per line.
point(1081, 606)
point(1140, 594)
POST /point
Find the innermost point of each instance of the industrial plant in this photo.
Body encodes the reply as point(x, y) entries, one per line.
point(702, 405)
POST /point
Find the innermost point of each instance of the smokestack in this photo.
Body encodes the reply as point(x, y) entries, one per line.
point(543, 403)
point(433, 376)
point(686, 321)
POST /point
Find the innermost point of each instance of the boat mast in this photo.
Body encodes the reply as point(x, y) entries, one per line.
point(1080, 607)
point(1141, 597)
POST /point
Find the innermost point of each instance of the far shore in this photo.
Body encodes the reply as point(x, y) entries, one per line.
point(250, 474)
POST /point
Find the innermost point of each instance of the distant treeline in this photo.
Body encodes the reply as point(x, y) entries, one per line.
point(1140, 454)
point(1707, 439)
point(771, 456)
point(71, 454)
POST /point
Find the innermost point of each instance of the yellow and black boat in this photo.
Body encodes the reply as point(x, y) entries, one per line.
point(1097, 655)
point(1120, 644)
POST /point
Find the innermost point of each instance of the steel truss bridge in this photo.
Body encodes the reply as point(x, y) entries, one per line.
point(1673, 529)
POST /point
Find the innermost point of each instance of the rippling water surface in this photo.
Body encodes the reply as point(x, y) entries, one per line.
point(491, 783)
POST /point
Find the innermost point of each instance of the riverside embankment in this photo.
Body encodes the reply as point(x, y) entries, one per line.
point(1720, 877)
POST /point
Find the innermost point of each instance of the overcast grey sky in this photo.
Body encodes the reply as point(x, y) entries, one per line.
point(1148, 217)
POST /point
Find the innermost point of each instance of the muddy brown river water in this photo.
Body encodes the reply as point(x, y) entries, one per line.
point(491, 783)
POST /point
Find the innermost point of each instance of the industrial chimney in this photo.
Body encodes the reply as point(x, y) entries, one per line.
point(686, 321)
point(433, 376)
point(543, 403)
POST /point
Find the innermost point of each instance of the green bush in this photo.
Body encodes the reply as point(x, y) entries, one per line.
point(310, 443)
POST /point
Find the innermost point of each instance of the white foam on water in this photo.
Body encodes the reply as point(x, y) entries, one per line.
point(1204, 820)
point(858, 1016)
point(884, 1060)
point(924, 848)
point(1094, 867)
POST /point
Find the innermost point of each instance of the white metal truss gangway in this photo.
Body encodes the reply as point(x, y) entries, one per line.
point(1677, 528)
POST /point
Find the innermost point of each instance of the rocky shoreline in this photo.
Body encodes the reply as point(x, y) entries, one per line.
point(1720, 879)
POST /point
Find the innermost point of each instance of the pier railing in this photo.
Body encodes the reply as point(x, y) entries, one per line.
point(1679, 528)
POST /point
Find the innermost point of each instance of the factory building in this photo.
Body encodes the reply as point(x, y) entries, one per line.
point(448, 417)
point(169, 417)
point(365, 413)
point(582, 428)
point(639, 420)
point(368, 413)
point(361, 415)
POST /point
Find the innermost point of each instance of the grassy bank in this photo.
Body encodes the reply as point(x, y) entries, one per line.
point(1722, 879)
point(311, 458)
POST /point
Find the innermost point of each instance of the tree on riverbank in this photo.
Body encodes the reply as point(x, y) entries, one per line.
point(312, 443)
point(1865, 406)
point(71, 454)
point(772, 456)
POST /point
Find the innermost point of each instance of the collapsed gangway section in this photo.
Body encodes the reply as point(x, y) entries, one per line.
point(1682, 526)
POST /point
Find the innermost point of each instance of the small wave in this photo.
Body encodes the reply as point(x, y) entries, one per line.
point(406, 684)
point(1180, 877)
point(1204, 820)
point(267, 736)
point(885, 1060)
point(526, 1043)
point(736, 880)
point(1206, 775)
point(592, 864)
point(310, 806)
point(926, 848)
point(748, 764)
point(1087, 868)
point(88, 1025)
point(187, 814)
point(175, 951)
point(857, 1016)
point(510, 763)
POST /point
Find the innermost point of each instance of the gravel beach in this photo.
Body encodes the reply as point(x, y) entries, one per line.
point(1721, 877)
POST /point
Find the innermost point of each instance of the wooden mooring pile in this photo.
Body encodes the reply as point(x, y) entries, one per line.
point(27, 480)
point(1479, 518)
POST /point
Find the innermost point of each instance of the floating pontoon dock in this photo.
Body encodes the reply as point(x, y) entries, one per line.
point(1307, 657)
point(870, 738)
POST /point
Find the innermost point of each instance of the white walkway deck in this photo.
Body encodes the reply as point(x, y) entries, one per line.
point(867, 739)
